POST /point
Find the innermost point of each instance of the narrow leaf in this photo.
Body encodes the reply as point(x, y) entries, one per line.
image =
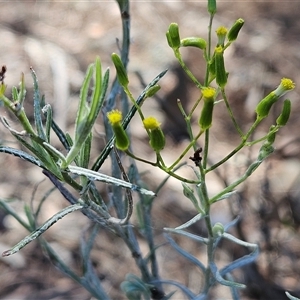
point(108, 179)
point(185, 254)
point(190, 222)
point(22, 155)
point(36, 233)
point(37, 107)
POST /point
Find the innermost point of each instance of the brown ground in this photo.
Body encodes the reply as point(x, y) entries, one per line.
point(59, 39)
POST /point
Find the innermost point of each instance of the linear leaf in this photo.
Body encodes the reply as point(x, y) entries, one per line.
point(93, 175)
point(36, 233)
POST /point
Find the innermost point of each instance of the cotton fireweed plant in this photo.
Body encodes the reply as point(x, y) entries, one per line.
point(69, 170)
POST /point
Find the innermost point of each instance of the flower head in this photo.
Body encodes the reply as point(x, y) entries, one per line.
point(286, 85)
point(115, 117)
point(205, 120)
point(264, 106)
point(235, 29)
point(121, 139)
point(157, 138)
point(221, 33)
point(209, 93)
point(151, 123)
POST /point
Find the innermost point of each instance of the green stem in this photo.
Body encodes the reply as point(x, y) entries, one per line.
point(229, 188)
point(186, 69)
point(237, 149)
point(206, 146)
point(141, 159)
point(208, 54)
point(237, 127)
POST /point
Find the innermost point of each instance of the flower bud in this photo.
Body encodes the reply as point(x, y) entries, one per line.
point(285, 114)
point(205, 120)
point(264, 106)
point(221, 76)
point(193, 42)
point(121, 138)
point(157, 138)
point(218, 229)
point(235, 29)
point(173, 36)
point(121, 71)
point(212, 6)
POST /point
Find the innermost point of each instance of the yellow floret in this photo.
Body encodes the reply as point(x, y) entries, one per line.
point(151, 123)
point(114, 117)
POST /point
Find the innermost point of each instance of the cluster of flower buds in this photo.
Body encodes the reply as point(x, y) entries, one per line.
point(175, 42)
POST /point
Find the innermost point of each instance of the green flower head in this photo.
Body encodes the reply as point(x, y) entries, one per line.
point(157, 138)
point(121, 138)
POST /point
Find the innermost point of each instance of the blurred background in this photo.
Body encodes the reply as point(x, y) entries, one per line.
point(59, 40)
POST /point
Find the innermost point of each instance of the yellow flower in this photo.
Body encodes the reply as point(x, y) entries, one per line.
point(151, 123)
point(114, 117)
point(221, 30)
point(286, 85)
point(264, 106)
point(209, 93)
point(221, 33)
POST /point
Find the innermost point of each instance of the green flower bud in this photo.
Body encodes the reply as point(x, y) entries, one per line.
point(193, 42)
point(205, 119)
point(235, 29)
point(218, 229)
point(157, 138)
point(152, 91)
point(122, 140)
point(221, 76)
point(173, 36)
point(189, 193)
point(285, 114)
point(264, 106)
point(169, 39)
point(212, 6)
point(121, 71)
point(121, 137)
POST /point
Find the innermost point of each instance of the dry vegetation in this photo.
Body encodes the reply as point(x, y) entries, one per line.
point(59, 39)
